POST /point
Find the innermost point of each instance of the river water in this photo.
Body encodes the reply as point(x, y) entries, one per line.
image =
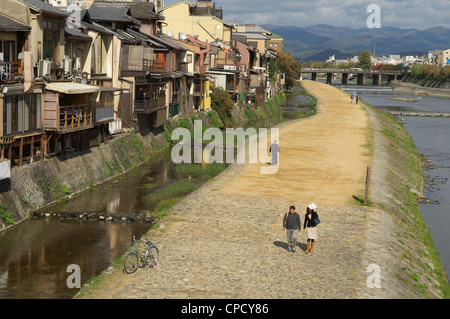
point(431, 136)
point(35, 254)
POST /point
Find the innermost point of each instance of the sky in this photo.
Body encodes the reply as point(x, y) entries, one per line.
point(415, 14)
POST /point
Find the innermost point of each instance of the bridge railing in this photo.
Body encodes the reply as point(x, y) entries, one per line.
point(352, 71)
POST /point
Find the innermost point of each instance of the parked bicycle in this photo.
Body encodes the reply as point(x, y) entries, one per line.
point(146, 256)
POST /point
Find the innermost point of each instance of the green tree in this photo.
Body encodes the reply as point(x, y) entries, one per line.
point(365, 60)
point(273, 70)
point(222, 103)
point(290, 67)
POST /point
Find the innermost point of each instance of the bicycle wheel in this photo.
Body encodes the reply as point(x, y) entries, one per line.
point(152, 256)
point(131, 263)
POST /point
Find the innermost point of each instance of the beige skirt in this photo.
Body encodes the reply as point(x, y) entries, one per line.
point(311, 232)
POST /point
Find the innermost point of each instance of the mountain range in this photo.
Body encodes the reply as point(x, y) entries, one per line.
point(318, 42)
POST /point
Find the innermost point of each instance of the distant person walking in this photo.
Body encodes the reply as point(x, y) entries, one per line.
point(291, 226)
point(351, 99)
point(311, 221)
point(357, 99)
point(274, 150)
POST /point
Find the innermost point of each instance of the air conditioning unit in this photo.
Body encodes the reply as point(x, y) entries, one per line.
point(77, 64)
point(44, 68)
point(67, 64)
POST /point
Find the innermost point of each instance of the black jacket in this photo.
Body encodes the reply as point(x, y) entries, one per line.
point(297, 224)
point(310, 222)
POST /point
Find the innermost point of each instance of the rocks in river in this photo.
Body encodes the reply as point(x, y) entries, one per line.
point(107, 217)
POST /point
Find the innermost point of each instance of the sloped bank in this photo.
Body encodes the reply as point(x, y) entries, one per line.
point(39, 184)
point(398, 240)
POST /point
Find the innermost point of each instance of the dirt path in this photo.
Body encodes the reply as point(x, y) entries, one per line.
point(225, 240)
point(322, 158)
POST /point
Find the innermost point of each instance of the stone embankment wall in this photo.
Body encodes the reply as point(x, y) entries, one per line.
point(422, 87)
point(36, 185)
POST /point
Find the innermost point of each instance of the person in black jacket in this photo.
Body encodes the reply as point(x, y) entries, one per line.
point(310, 226)
point(291, 226)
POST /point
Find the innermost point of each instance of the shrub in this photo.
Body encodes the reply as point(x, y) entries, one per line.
point(5, 214)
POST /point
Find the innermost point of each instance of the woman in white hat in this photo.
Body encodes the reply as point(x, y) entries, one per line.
point(311, 221)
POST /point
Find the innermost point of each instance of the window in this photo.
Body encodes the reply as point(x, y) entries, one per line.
point(189, 58)
point(8, 51)
point(51, 40)
point(100, 48)
point(21, 113)
point(107, 99)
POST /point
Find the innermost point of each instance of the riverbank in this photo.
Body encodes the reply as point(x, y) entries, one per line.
point(40, 184)
point(398, 238)
point(416, 88)
point(237, 251)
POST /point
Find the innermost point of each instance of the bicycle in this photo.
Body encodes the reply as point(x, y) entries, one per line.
point(146, 257)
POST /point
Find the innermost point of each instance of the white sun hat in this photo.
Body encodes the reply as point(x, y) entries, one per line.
point(312, 206)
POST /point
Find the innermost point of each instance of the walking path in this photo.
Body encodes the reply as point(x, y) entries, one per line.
point(226, 241)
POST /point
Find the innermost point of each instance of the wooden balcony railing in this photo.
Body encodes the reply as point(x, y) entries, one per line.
point(75, 117)
point(145, 106)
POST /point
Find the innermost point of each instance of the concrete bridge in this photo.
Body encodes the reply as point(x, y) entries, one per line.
point(360, 73)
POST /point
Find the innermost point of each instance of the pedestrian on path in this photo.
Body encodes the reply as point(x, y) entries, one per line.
point(292, 226)
point(351, 99)
point(357, 99)
point(274, 150)
point(311, 221)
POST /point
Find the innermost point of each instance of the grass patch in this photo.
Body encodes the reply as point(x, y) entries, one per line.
point(196, 171)
point(173, 190)
point(164, 207)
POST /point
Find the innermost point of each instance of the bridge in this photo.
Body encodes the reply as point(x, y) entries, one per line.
point(360, 73)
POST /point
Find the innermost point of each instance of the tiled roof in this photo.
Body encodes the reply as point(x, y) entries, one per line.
point(251, 35)
point(111, 11)
point(72, 32)
point(42, 6)
point(8, 24)
point(144, 10)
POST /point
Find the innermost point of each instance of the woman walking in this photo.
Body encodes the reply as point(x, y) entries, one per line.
point(311, 221)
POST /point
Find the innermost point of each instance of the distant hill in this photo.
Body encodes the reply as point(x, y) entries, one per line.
point(318, 42)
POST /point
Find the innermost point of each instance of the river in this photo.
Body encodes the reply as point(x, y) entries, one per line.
point(431, 136)
point(35, 254)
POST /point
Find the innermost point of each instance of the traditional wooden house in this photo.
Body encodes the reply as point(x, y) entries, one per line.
point(21, 128)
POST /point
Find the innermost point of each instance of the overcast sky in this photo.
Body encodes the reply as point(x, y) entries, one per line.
point(419, 14)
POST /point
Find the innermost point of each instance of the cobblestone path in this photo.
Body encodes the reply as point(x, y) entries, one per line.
point(225, 240)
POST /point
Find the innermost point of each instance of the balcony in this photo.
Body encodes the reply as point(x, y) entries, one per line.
point(8, 69)
point(148, 106)
point(183, 67)
point(75, 117)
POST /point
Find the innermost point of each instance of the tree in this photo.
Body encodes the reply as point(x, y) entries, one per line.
point(290, 67)
point(365, 60)
point(222, 103)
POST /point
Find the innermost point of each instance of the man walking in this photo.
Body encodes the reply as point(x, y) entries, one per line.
point(274, 150)
point(291, 226)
